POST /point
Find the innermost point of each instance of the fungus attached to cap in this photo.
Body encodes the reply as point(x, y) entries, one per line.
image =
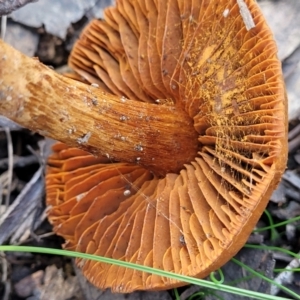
point(196, 57)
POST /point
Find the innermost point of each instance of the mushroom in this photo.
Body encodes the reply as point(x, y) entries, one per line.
point(177, 177)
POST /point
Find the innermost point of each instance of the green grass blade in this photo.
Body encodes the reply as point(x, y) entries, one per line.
point(273, 248)
point(191, 280)
point(296, 219)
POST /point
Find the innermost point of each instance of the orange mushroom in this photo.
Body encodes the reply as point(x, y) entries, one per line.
point(180, 194)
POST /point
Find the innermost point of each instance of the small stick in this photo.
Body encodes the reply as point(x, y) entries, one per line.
point(3, 26)
point(246, 15)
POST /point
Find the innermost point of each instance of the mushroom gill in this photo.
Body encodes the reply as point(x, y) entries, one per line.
point(200, 61)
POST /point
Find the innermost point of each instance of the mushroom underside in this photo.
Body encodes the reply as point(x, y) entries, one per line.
point(200, 58)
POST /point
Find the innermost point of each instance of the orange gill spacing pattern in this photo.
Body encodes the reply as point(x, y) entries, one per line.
point(199, 56)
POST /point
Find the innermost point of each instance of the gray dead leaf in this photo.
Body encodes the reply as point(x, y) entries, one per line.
point(292, 210)
point(292, 177)
point(4, 122)
point(278, 196)
point(21, 38)
point(7, 7)
point(97, 10)
point(290, 64)
point(255, 238)
point(55, 15)
point(293, 91)
point(283, 18)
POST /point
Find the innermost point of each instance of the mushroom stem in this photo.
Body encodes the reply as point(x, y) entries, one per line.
point(159, 137)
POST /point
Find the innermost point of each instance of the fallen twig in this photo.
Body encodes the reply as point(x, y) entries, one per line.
point(246, 15)
point(3, 26)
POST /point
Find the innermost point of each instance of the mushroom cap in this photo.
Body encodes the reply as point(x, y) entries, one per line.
point(205, 58)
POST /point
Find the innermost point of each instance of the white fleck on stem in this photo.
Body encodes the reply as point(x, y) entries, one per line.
point(84, 139)
point(246, 14)
point(95, 85)
point(123, 99)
